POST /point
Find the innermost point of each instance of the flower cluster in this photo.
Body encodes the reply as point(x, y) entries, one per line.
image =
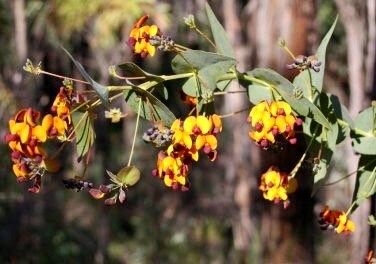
point(190, 136)
point(139, 38)
point(276, 186)
point(337, 220)
point(272, 122)
point(26, 136)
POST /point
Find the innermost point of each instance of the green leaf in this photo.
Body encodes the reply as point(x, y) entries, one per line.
point(365, 185)
point(324, 143)
point(194, 60)
point(151, 108)
point(222, 85)
point(309, 78)
point(257, 93)
point(286, 89)
point(219, 34)
point(132, 70)
point(371, 220)
point(99, 88)
point(364, 132)
point(128, 175)
point(209, 68)
point(334, 110)
point(318, 77)
point(205, 82)
point(84, 132)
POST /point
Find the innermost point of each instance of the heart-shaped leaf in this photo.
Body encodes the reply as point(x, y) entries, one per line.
point(128, 175)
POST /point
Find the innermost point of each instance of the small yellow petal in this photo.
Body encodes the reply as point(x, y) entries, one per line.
point(135, 33)
point(170, 149)
point(212, 141)
point(187, 140)
point(189, 124)
point(268, 121)
point(176, 125)
point(167, 180)
point(153, 30)
point(281, 193)
point(290, 120)
point(40, 133)
point(140, 46)
point(274, 108)
point(217, 122)
point(281, 123)
point(181, 180)
point(151, 49)
point(60, 125)
point(285, 106)
point(25, 133)
point(204, 124)
point(200, 142)
point(195, 155)
point(47, 122)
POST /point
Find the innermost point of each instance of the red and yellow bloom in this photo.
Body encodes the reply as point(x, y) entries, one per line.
point(27, 134)
point(276, 186)
point(140, 36)
point(337, 220)
point(190, 136)
point(272, 121)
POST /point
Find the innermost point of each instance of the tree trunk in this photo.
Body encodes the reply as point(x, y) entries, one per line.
point(353, 14)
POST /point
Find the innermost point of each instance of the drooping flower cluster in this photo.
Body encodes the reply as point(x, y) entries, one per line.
point(337, 220)
point(190, 136)
point(276, 185)
point(139, 38)
point(26, 136)
point(272, 122)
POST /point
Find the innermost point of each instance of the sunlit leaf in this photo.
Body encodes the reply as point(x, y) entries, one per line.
point(258, 93)
point(372, 220)
point(132, 70)
point(195, 60)
point(129, 175)
point(151, 108)
point(365, 185)
point(364, 133)
point(209, 68)
point(219, 34)
point(309, 78)
point(84, 132)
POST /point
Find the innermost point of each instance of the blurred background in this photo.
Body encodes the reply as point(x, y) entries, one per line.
point(223, 218)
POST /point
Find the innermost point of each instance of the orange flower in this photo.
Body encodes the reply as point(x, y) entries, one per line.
point(26, 136)
point(189, 137)
point(62, 103)
point(25, 128)
point(173, 171)
point(337, 220)
point(139, 37)
point(272, 121)
point(276, 186)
